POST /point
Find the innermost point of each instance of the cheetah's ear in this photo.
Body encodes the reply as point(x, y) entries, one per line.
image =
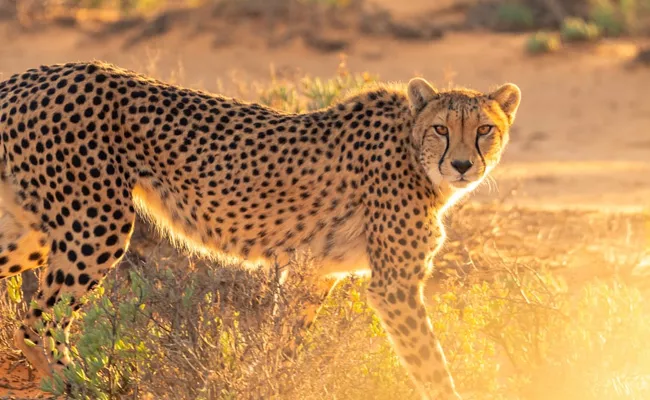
point(420, 92)
point(508, 96)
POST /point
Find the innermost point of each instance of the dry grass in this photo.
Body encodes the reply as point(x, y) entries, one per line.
point(10, 314)
point(511, 328)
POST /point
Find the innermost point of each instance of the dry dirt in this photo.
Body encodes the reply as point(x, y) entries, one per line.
point(17, 381)
point(581, 140)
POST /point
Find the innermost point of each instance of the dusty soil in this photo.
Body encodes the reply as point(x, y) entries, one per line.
point(581, 139)
point(17, 381)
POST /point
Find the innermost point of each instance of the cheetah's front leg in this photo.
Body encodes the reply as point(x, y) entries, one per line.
point(403, 314)
point(399, 268)
point(74, 267)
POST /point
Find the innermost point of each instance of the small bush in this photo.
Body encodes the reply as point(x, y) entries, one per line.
point(577, 30)
point(309, 94)
point(618, 17)
point(214, 334)
point(220, 333)
point(607, 18)
point(514, 17)
point(542, 42)
point(12, 309)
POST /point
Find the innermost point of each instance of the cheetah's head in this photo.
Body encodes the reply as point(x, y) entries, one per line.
point(460, 134)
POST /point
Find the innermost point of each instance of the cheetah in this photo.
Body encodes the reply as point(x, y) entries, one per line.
point(362, 185)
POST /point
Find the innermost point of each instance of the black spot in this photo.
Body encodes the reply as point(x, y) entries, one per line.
point(126, 228)
point(60, 276)
point(111, 240)
point(424, 352)
point(99, 230)
point(84, 279)
point(103, 258)
point(87, 250)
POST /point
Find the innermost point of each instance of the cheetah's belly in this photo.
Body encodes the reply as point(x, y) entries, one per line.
point(347, 252)
point(352, 259)
point(337, 247)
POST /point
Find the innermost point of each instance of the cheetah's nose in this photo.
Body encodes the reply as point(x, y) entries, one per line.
point(462, 166)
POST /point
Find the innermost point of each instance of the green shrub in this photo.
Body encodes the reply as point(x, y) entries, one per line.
point(617, 17)
point(577, 30)
point(514, 17)
point(542, 42)
point(186, 332)
point(323, 93)
point(174, 331)
point(111, 349)
point(607, 18)
point(311, 94)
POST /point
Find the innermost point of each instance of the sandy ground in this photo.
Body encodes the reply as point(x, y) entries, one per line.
point(581, 140)
point(17, 381)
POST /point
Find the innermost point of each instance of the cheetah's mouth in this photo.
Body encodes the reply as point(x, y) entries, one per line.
point(462, 182)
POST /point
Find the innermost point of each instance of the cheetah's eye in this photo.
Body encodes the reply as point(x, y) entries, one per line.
point(441, 130)
point(484, 129)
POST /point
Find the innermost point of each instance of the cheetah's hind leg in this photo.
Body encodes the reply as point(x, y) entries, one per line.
point(22, 249)
point(22, 245)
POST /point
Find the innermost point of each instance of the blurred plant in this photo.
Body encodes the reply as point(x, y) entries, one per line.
point(334, 3)
point(577, 30)
point(313, 93)
point(605, 16)
point(323, 93)
point(617, 17)
point(542, 42)
point(514, 17)
point(90, 3)
point(594, 354)
point(280, 96)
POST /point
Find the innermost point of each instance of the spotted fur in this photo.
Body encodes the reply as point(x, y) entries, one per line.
point(361, 184)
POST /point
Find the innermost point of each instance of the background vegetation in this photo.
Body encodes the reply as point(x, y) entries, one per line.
point(323, 23)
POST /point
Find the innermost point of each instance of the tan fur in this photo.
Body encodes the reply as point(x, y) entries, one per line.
point(360, 185)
